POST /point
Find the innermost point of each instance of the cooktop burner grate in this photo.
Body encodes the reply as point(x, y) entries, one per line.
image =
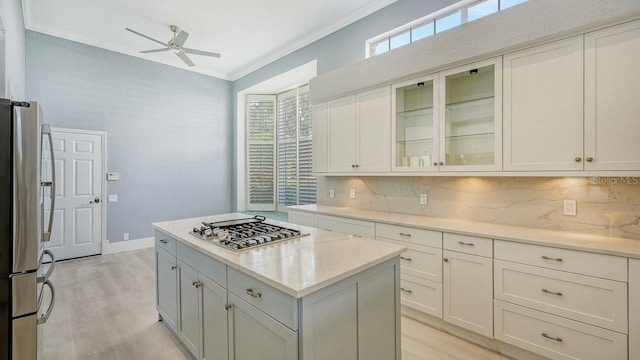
point(241, 234)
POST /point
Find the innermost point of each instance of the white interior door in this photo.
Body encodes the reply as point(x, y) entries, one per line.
point(77, 228)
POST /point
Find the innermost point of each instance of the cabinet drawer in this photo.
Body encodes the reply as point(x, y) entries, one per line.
point(580, 262)
point(206, 265)
point(166, 242)
point(556, 337)
point(275, 303)
point(302, 218)
point(409, 234)
point(422, 295)
point(346, 226)
point(591, 300)
point(420, 261)
point(468, 244)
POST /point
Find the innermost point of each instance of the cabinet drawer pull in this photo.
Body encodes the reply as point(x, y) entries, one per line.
point(405, 234)
point(163, 241)
point(544, 335)
point(254, 294)
point(550, 258)
point(552, 292)
point(465, 243)
point(406, 290)
point(174, 267)
point(405, 258)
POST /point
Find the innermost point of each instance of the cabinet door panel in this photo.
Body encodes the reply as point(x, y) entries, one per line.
point(342, 134)
point(373, 111)
point(167, 287)
point(612, 56)
point(189, 321)
point(214, 321)
point(543, 111)
point(255, 335)
point(468, 292)
point(634, 309)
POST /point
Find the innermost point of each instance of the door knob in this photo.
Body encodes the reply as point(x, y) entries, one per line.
point(96, 201)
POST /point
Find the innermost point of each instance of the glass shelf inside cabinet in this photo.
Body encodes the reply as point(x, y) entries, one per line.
point(470, 117)
point(414, 125)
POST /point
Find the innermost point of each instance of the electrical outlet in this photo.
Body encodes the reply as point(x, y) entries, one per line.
point(423, 199)
point(332, 193)
point(352, 193)
point(125, 236)
point(112, 198)
point(569, 208)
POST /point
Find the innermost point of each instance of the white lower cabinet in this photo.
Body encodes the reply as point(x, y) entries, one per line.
point(634, 309)
point(556, 337)
point(167, 288)
point(468, 291)
point(422, 295)
point(255, 335)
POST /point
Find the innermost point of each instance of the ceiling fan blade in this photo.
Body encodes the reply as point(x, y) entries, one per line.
point(154, 51)
point(200, 52)
point(181, 38)
point(145, 36)
point(185, 58)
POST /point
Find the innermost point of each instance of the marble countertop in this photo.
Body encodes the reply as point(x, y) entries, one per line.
point(562, 239)
point(297, 267)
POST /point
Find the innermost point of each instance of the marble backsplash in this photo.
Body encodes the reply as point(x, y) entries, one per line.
point(609, 206)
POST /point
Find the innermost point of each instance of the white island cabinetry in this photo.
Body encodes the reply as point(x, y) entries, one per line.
point(241, 305)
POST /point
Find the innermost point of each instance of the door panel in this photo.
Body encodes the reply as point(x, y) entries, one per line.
point(78, 219)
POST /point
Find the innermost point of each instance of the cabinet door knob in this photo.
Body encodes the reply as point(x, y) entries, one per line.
point(254, 294)
point(445, 260)
point(357, 165)
point(227, 306)
point(435, 163)
point(174, 267)
point(352, 165)
point(440, 163)
point(578, 159)
point(589, 159)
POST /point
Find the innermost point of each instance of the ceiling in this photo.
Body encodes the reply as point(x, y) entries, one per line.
point(248, 33)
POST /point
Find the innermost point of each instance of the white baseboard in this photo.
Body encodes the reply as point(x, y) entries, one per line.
point(128, 245)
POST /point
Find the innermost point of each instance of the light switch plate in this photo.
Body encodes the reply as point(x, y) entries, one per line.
point(332, 193)
point(352, 193)
point(569, 208)
point(113, 176)
point(112, 198)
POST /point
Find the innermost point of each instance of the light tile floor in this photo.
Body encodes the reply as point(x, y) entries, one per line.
point(105, 309)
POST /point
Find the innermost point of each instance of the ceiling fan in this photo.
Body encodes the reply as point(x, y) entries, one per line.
point(175, 45)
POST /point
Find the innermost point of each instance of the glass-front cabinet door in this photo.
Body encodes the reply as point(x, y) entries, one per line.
point(414, 129)
point(471, 117)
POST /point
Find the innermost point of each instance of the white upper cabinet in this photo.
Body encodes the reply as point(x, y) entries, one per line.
point(360, 132)
point(320, 138)
point(414, 129)
point(470, 122)
point(543, 107)
point(612, 109)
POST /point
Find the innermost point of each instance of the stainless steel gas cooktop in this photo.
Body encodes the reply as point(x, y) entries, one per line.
point(241, 234)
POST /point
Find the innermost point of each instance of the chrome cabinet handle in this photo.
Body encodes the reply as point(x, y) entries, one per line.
point(46, 276)
point(163, 241)
point(589, 159)
point(405, 234)
point(544, 335)
point(578, 159)
point(406, 290)
point(405, 258)
point(52, 191)
point(465, 243)
point(44, 317)
point(552, 292)
point(254, 294)
point(550, 258)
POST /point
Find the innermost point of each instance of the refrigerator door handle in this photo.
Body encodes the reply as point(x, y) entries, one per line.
point(52, 184)
point(44, 317)
point(45, 277)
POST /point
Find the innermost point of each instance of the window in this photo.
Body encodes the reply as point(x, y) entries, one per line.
point(457, 14)
point(280, 150)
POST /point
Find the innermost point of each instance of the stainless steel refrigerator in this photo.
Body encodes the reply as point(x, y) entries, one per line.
point(24, 230)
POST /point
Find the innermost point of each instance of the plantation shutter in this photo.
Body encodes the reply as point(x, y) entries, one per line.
point(306, 181)
point(261, 115)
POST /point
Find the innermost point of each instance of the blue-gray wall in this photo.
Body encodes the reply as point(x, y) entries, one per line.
point(168, 130)
point(343, 47)
point(12, 53)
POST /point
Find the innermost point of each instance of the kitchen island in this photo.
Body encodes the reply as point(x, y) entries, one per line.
point(325, 295)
